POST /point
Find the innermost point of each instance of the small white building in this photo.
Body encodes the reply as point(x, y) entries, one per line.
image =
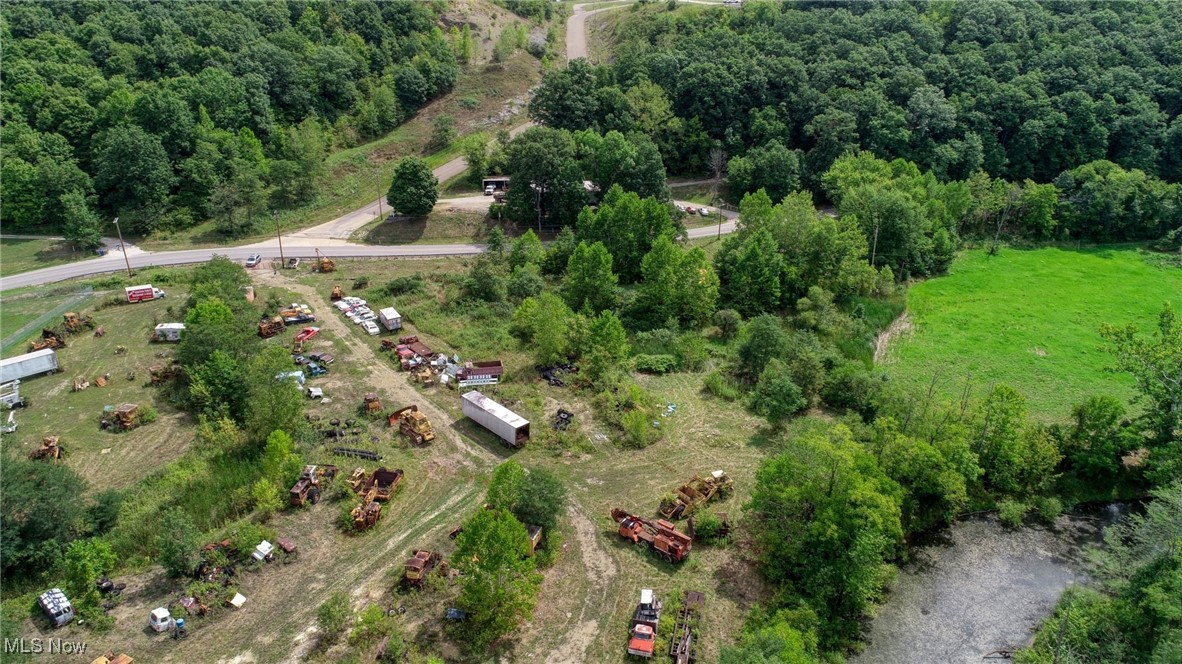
point(170, 332)
point(391, 319)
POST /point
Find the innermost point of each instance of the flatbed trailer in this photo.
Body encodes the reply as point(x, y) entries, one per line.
point(683, 646)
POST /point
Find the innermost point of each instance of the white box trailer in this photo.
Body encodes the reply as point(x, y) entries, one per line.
point(391, 319)
point(170, 332)
point(42, 361)
point(507, 425)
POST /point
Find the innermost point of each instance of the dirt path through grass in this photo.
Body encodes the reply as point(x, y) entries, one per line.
point(901, 325)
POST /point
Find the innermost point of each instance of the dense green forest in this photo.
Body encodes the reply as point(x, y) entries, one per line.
point(168, 114)
point(775, 93)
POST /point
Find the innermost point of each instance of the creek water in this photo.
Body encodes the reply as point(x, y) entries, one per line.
point(976, 587)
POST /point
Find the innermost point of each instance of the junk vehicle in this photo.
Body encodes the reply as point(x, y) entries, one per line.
point(381, 484)
point(49, 339)
point(269, 327)
point(324, 263)
point(296, 314)
point(337, 293)
point(160, 620)
point(643, 629)
point(56, 606)
point(694, 494)
point(413, 424)
point(390, 318)
point(418, 567)
point(73, 323)
point(292, 263)
point(10, 395)
point(311, 481)
point(143, 293)
point(365, 516)
point(111, 658)
point(371, 404)
point(168, 332)
point(478, 373)
point(30, 364)
point(507, 425)
point(682, 647)
point(659, 536)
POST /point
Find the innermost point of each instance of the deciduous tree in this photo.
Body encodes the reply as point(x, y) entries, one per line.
point(412, 190)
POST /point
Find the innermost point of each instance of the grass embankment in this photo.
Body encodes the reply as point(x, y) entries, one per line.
point(21, 255)
point(358, 175)
point(1031, 319)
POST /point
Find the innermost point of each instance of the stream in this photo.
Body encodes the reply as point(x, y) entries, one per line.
point(976, 588)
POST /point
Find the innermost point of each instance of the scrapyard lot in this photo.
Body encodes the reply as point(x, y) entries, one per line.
point(589, 594)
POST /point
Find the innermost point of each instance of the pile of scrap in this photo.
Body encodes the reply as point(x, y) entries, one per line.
point(162, 373)
point(323, 263)
point(356, 453)
point(49, 339)
point(80, 383)
point(563, 419)
point(337, 293)
point(694, 494)
point(412, 352)
point(50, 449)
point(558, 375)
point(120, 418)
point(101, 381)
point(357, 480)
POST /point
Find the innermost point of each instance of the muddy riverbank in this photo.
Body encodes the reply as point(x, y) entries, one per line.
point(976, 588)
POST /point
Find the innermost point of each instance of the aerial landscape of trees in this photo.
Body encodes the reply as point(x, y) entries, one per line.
point(170, 114)
point(867, 148)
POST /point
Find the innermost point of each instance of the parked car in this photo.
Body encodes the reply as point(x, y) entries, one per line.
point(690, 210)
point(489, 190)
point(253, 260)
point(705, 212)
point(680, 207)
point(366, 317)
point(371, 327)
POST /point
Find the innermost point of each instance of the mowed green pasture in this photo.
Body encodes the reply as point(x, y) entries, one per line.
point(1031, 319)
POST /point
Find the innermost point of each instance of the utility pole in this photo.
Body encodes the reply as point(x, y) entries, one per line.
point(874, 249)
point(282, 260)
point(719, 222)
point(123, 247)
point(380, 215)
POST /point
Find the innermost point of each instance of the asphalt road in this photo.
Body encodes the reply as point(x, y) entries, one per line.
point(330, 237)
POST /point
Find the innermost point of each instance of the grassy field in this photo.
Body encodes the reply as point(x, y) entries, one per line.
point(1031, 319)
point(21, 255)
point(104, 459)
point(589, 594)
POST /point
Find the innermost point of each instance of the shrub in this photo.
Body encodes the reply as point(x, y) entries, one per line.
point(148, 414)
point(248, 535)
point(728, 322)
point(1012, 512)
point(267, 498)
point(405, 285)
point(469, 101)
point(638, 429)
point(691, 351)
point(707, 526)
point(373, 624)
point(333, 616)
point(1048, 509)
point(655, 364)
point(723, 386)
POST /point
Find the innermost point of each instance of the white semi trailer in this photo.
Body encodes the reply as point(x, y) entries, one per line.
point(42, 361)
point(507, 425)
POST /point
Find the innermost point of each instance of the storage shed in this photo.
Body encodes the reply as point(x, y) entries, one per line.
point(509, 426)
